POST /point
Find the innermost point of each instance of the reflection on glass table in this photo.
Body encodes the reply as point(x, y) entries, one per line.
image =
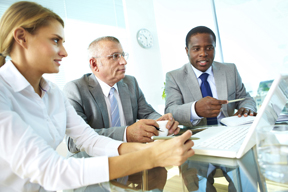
point(272, 152)
point(198, 173)
point(148, 180)
point(242, 174)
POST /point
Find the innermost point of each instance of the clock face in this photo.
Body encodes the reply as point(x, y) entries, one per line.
point(145, 38)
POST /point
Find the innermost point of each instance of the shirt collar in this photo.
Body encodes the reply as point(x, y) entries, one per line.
point(198, 73)
point(105, 87)
point(16, 80)
point(44, 85)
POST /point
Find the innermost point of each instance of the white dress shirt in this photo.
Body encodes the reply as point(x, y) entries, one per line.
point(194, 117)
point(106, 89)
point(31, 127)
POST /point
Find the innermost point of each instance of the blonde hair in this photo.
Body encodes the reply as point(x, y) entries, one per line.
point(28, 15)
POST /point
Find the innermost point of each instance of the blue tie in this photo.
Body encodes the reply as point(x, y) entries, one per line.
point(206, 91)
point(115, 118)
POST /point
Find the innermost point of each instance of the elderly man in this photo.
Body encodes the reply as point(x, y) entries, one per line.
point(197, 93)
point(110, 101)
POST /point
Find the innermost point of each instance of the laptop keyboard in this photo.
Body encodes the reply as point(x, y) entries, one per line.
point(227, 140)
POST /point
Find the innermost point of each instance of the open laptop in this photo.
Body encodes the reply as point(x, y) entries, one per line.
point(220, 141)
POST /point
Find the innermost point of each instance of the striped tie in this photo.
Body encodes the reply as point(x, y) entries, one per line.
point(115, 118)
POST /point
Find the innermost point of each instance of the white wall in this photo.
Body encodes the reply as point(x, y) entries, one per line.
point(144, 64)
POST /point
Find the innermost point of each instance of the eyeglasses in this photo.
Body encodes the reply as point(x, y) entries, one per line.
point(117, 56)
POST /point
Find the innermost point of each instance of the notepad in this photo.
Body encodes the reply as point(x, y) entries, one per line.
point(236, 121)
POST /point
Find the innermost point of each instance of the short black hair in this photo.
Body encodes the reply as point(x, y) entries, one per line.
point(199, 29)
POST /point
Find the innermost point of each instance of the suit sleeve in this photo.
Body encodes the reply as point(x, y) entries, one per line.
point(74, 95)
point(175, 102)
point(249, 102)
point(145, 110)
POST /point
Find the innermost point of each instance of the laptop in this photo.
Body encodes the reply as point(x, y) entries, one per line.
point(234, 142)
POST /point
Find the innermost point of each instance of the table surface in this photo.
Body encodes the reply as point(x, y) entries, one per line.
point(198, 173)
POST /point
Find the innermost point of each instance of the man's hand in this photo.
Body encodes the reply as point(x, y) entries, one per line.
point(209, 106)
point(245, 112)
point(172, 125)
point(142, 131)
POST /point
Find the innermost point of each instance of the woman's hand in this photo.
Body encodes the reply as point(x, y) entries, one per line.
point(173, 151)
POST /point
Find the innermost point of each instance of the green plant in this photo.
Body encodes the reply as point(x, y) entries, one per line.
point(163, 93)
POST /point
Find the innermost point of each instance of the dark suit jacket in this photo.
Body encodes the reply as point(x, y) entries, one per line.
point(86, 96)
point(182, 89)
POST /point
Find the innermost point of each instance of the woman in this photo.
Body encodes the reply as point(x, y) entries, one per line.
point(34, 115)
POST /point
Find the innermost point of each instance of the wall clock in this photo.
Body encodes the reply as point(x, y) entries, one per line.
point(144, 38)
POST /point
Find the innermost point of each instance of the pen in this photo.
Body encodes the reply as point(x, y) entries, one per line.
point(157, 128)
point(170, 137)
point(235, 100)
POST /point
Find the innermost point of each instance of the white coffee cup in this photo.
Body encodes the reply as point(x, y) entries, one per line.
point(162, 126)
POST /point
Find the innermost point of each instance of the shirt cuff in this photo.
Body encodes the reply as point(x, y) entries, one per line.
point(96, 169)
point(124, 137)
point(194, 115)
point(111, 148)
point(249, 109)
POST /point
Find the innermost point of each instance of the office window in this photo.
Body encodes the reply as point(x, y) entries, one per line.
point(254, 37)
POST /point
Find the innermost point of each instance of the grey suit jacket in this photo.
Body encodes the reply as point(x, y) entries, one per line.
point(86, 96)
point(182, 89)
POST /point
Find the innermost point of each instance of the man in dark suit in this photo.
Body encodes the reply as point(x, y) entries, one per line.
point(90, 95)
point(185, 98)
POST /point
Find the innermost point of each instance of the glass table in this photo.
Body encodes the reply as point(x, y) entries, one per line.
point(198, 173)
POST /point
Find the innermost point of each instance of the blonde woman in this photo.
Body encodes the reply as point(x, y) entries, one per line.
point(34, 115)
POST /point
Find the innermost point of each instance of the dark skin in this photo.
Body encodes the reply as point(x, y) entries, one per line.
point(245, 112)
point(209, 107)
point(201, 53)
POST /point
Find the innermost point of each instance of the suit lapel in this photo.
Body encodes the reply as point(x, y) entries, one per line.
point(192, 82)
point(126, 102)
point(221, 84)
point(96, 92)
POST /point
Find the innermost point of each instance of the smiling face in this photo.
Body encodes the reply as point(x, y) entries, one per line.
point(201, 51)
point(45, 48)
point(106, 68)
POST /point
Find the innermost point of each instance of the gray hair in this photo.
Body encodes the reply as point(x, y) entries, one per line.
point(93, 48)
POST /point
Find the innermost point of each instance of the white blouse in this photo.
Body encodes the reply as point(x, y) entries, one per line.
point(31, 128)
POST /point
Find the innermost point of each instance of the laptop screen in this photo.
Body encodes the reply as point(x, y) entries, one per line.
point(268, 113)
point(276, 104)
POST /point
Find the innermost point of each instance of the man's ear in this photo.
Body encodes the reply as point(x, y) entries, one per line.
point(20, 36)
point(186, 50)
point(93, 64)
